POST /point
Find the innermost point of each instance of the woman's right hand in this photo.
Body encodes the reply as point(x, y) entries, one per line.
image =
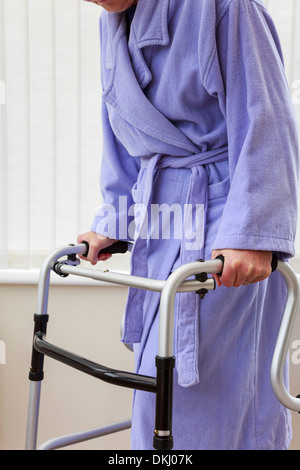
point(96, 243)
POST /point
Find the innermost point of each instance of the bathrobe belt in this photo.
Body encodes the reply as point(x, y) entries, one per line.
point(187, 318)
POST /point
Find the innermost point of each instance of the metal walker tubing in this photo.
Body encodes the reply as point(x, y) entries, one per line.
point(162, 384)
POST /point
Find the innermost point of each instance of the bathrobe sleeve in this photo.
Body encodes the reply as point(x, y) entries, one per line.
point(247, 76)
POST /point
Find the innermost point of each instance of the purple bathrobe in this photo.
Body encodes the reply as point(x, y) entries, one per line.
point(197, 115)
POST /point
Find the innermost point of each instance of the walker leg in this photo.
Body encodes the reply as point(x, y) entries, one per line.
point(36, 373)
point(33, 415)
point(163, 439)
point(36, 376)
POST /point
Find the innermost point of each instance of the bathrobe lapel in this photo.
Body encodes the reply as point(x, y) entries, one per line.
point(130, 74)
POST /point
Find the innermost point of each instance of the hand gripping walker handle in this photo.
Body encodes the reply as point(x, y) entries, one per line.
point(117, 247)
point(274, 262)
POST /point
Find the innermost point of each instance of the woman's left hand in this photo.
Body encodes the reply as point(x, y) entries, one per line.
point(243, 267)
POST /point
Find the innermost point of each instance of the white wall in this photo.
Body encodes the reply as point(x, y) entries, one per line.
point(85, 320)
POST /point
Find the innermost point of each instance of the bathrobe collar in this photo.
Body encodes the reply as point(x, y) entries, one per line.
point(149, 27)
point(154, 15)
point(129, 73)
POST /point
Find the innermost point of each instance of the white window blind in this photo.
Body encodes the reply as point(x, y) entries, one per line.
point(50, 129)
point(50, 125)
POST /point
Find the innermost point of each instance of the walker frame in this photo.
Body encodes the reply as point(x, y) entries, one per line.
point(162, 384)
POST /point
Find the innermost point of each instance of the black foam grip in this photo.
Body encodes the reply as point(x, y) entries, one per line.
point(274, 263)
point(221, 257)
point(117, 247)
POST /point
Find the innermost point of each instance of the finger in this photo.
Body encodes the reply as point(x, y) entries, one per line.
point(92, 255)
point(217, 279)
point(249, 276)
point(229, 275)
point(240, 279)
point(258, 275)
point(258, 279)
point(103, 256)
point(246, 277)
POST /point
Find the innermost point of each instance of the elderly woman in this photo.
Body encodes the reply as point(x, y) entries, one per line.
point(197, 117)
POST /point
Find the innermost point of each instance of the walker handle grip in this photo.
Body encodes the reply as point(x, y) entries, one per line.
point(222, 258)
point(274, 262)
point(117, 247)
